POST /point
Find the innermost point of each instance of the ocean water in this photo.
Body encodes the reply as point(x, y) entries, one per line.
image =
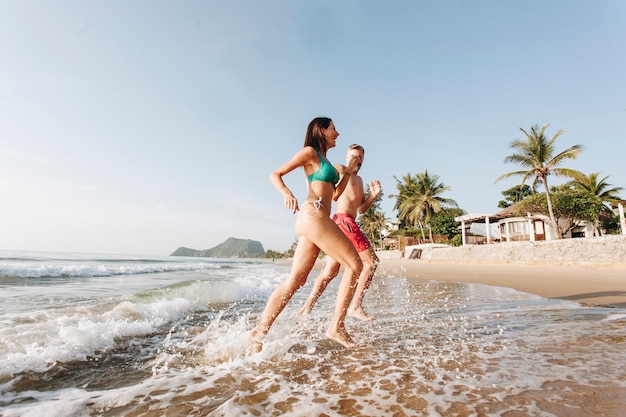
point(119, 335)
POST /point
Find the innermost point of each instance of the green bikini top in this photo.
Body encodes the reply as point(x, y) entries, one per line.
point(326, 172)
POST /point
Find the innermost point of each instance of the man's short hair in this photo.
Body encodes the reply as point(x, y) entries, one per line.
point(357, 147)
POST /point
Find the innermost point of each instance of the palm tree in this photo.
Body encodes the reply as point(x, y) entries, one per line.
point(514, 195)
point(372, 223)
point(600, 189)
point(419, 198)
point(535, 154)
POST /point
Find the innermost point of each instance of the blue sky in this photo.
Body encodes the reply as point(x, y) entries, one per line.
point(141, 126)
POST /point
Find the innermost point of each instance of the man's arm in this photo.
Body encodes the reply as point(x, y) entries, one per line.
point(346, 172)
point(375, 189)
point(343, 182)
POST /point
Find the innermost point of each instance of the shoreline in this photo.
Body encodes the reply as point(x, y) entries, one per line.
point(590, 271)
point(588, 284)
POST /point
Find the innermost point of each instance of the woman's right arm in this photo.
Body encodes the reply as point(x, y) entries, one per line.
point(300, 159)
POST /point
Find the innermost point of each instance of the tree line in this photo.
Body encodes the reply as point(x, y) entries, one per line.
point(422, 209)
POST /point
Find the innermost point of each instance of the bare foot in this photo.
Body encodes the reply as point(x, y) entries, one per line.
point(359, 313)
point(255, 343)
point(305, 311)
point(341, 337)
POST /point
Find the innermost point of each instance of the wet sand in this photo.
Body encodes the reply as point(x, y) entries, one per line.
point(597, 284)
point(439, 347)
point(589, 284)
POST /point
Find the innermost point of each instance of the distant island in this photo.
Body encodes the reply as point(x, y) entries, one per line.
point(230, 248)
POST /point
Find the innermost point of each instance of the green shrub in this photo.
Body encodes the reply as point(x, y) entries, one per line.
point(457, 240)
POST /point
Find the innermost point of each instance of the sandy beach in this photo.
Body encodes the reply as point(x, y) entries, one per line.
point(589, 271)
point(586, 284)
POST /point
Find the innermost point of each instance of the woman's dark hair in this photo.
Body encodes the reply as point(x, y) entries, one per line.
point(314, 136)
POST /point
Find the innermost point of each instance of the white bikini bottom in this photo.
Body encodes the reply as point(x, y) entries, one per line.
point(317, 204)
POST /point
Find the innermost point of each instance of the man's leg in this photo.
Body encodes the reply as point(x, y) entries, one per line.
point(330, 271)
point(370, 263)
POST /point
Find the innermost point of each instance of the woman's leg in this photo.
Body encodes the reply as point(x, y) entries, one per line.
point(329, 238)
point(303, 261)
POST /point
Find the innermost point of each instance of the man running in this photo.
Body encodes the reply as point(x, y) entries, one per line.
point(349, 204)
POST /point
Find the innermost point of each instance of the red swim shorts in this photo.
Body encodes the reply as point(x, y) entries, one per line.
point(349, 227)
